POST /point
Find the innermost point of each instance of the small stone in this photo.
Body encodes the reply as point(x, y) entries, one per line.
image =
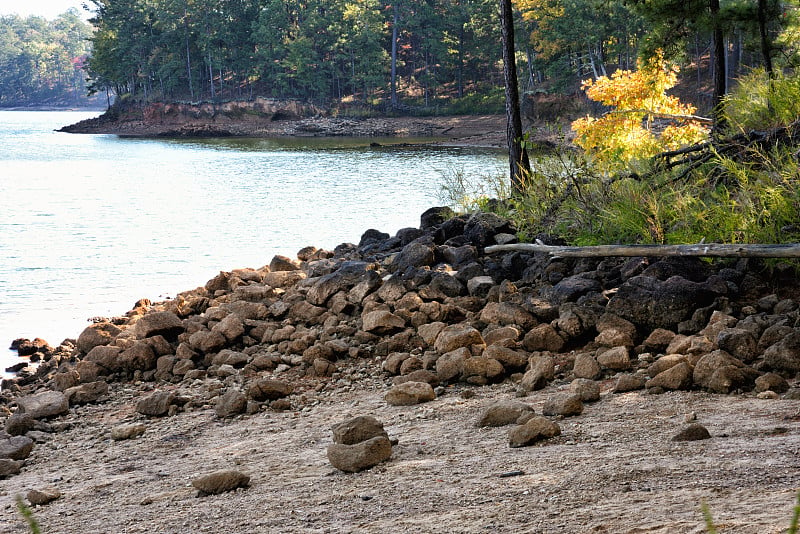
point(269, 389)
point(127, 431)
point(43, 496)
point(536, 429)
point(628, 382)
point(409, 393)
point(768, 395)
point(676, 377)
point(616, 359)
point(220, 482)
point(770, 382)
point(693, 432)
point(504, 412)
point(87, 393)
point(360, 456)
point(357, 429)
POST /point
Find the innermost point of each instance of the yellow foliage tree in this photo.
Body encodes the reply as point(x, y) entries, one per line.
point(629, 131)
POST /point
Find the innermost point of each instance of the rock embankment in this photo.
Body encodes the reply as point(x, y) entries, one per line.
point(424, 309)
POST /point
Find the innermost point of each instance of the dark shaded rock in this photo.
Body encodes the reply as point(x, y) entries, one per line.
point(220, 482)
point(572, 288)
point(416, 254)
point(9, 467)
point(360, 456)
point(481, 228)
point(648, 302)
point(534, 430)
point(349, 275)
point(139, 357)
point(587, 390)
point(784, 356)
point(160, 323)
point(269, 389)
point(87, 393)
point(502, 413)
point(232, 402)
point(586, 366)
point(710, 364)
point(739, 343)
point(357, 429)
point(280, 263)
point(693, 432)
point(767, 382)
point(435, 216)
point(18, 424)
point(15, 447)
point(106, 358)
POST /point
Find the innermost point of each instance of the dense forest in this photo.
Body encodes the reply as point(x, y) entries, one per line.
point(418, 54)
point(421, 55)
point(42, 63)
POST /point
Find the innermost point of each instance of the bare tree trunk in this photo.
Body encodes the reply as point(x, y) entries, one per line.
point(719, 67)
point(395, 20)
point(766, 46)
point(517, 155)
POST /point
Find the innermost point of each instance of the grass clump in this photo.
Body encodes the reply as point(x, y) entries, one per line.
point(27, 514)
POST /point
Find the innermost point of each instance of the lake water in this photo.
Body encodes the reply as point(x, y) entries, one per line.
point(91, 223)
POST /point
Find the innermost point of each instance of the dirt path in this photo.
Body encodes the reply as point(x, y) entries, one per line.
point(613, 469)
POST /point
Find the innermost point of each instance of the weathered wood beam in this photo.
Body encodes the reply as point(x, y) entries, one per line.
point(791, 250)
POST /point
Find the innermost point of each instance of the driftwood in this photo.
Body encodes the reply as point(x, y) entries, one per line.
point(707, 250)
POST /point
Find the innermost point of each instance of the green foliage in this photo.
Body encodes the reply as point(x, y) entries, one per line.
point(27, 513)
point(41, 61)
point(492, 101)
point(759, 102)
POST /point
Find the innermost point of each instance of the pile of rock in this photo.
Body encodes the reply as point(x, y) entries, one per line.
point(429, 308)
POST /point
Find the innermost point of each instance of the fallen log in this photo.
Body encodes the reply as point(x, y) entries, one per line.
point(791, 250)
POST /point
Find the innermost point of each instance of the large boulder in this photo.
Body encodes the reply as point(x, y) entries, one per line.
point(652, 303)
point(95, 335)
point(43, 405)
point(346, 277)
point(162, 323)
point(784, 356)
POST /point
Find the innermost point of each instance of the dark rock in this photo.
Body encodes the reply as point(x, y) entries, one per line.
point(15, 447)
point(784, 356)
point(18, 424)
point(481, 228)
point(220, 482)
point(767, 382)
point(543, 338)
point(739, 343)
point(9, 467)
point(693, 432)
point(232, 402)
point(435, 216)
point(586, 366)
point(139, 357)
point(280, 263)
point(616, 359)
point(269, 389)
point(360, 456)
point(572, 288)
point(160, 323)
point(457, 336)
point(648, 302)
point(87, 393)
point(587, 390)
point(106, 358)
point(357, 429)
point(416, 254)
point(348, 276)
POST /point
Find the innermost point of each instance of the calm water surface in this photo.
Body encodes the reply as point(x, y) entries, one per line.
point(91, 223)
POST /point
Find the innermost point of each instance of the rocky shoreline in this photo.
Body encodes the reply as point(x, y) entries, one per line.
point(287, 118)
point(462, 356)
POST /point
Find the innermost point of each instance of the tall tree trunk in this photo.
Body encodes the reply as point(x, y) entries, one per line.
point(766, 46)
point(517, 155)
point(719, 67)
point(395, 20)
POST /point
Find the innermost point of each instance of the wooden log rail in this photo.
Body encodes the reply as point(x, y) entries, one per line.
point(791, 250)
